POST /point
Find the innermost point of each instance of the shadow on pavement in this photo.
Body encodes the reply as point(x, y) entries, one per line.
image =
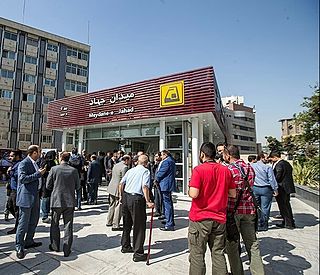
point(168, 249)
point(276, 252)
point(301, 220)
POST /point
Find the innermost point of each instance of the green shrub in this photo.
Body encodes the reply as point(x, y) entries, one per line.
point(306, 173)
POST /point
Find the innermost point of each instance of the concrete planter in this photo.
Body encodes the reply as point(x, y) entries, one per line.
point(308, 195)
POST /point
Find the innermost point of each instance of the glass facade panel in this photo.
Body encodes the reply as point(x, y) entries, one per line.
point(174, 141)
point(94, 133)
point(150, 130)
point(130, 131)
point(111, 132)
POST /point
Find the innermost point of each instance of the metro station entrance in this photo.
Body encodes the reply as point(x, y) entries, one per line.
point(146, 137)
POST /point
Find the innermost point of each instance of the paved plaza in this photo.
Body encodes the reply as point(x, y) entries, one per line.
point(96, 249)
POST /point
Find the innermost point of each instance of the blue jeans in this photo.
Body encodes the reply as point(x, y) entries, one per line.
point(45, 207)
point(264, 198)
point(79, 195)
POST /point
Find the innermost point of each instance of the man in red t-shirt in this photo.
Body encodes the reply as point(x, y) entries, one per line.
point(210, 185)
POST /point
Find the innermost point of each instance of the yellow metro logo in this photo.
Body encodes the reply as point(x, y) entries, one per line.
point(172, 94)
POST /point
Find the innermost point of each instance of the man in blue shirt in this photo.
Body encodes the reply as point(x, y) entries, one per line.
point(265, 187)
point(15, 157)
point(135, 196)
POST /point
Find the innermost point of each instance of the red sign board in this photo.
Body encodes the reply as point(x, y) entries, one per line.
point(139, 100)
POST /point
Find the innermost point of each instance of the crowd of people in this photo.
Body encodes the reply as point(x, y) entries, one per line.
point(221, 185)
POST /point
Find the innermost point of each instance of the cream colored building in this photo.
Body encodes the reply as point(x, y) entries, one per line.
point(289, 127)
point(36, 67)
point(241, 125)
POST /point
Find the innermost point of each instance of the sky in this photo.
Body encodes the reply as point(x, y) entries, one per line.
point(267, 51)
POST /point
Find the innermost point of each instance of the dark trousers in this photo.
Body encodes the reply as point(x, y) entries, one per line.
point(283, 200)
point(84, 190)
point(93, 191)
point(168, 208)
point(12, 207)
point(28, 221)
point(67, 215)
point(158, 200)
point(134, 214)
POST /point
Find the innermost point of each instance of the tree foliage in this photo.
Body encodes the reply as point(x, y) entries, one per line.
point(274, 144)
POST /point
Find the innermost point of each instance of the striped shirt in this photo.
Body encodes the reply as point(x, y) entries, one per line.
point(246, 205)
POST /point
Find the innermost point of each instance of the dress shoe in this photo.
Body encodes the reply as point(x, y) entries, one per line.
point(116, 229)
point(20, 253)
point(127, 250)
point(108, 225)
point(139, 258)
point(13, 231)
point(34, 244)
point(66, 253)
point(6, 217)
point(167, 228)
point(52, 249)
point(156, 214)
point(161, 217)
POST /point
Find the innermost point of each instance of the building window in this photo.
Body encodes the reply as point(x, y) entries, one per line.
point(49, 82)
point(4, 115)
point(75, 86)
point(10, 35)
point(47, 139)
point(47, 99)
point(25, 137)
point(7, 74)
point(82, 71)
point(51, 65)
point(6, 94)
point(26, 117)
point(32, 42)
point(8, 54)
point(71, 68)
point(77, 54)
point(31, 60)
point(28, 97)
point(51, 47)
point(81, 87)
point(30, 78)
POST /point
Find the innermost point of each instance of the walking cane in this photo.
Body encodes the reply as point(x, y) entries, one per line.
point(151, 222)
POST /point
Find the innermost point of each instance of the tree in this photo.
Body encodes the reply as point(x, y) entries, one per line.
point(274, 144)
point(310, 118)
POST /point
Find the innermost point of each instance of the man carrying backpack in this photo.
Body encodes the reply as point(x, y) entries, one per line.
point(77, 161)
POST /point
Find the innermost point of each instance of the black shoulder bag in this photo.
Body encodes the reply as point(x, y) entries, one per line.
point(259, 213)
point(233, 234)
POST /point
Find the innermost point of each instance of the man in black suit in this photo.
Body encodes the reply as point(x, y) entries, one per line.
point(63, 180)
point(283, 173)
point(94, 179)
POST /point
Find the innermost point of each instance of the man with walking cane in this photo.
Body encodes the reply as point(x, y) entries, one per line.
point(135, 189)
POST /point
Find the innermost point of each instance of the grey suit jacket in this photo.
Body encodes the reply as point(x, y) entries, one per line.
point(63, 180)
point(118, 172)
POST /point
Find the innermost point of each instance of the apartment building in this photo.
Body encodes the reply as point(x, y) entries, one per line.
point(241, 124)
point(290, 127)
point(36, 67)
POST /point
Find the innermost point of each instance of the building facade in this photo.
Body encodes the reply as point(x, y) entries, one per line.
point(176, 112)
point(241, 125)
point(36, 67)
point(289, 127)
